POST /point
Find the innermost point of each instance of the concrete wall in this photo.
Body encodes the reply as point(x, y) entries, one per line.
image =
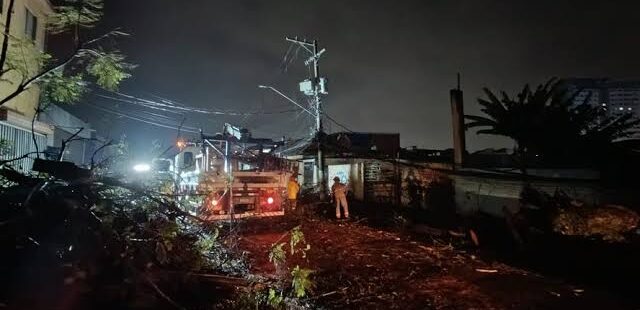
point(417, 182)
point(439, 188)
point(490, 195)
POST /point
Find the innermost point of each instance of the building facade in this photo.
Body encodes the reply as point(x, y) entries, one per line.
point(73, 139)
point(616, 96)
point(28, 23)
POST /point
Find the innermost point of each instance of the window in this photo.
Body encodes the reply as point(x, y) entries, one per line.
point(31, 25)
point(187, 160)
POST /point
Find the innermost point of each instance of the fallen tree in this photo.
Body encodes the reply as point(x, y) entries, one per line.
point(92, 240)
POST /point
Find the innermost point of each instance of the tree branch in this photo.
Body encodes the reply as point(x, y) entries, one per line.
point(64, 143)
point(78, 52)
point(7, 29)
point(3, 162)
point(5, 71)
point(33, 129)
point(109, 143)
point(77, 25)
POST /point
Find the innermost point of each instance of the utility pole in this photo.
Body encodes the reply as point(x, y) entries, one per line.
point(457, 115)
point(314, 88)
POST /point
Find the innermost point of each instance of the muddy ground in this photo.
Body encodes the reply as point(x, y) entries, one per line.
point(363, 266)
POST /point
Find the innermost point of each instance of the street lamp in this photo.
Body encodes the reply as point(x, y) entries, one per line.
point(289, 99)
point(318, 117)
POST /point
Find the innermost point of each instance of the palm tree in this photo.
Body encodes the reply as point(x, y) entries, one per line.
point(548, 123)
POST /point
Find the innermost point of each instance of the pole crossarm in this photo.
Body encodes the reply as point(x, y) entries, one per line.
point(304, 43)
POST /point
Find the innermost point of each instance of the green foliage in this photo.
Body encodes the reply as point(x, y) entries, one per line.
point(287, 293)
point(297, 238)
point(109, 70)
point(5, 147)
point(109, 231)
point(60, 88)
point(24, 58)
point(275, 298)
point(80, 13)
point(66, 81)
point(277, 255)
point(205, 244)
point(301, 282)
point(546, 121)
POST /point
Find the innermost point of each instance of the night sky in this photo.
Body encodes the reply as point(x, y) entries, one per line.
point(390, 63)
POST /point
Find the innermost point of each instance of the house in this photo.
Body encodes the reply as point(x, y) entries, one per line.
point(28, 23)
point(358, 159)
point(79, 139)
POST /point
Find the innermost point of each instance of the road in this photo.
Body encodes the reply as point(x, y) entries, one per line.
point(361, 267)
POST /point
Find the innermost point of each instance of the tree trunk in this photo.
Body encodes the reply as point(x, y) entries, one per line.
point(5, 42)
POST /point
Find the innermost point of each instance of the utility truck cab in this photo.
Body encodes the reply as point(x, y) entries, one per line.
point(233, 175)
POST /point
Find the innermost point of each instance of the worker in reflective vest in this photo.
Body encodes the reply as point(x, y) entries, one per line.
point(339, 192)
point(292, 192)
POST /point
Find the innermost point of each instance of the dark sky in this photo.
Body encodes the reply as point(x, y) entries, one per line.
point(390, 63)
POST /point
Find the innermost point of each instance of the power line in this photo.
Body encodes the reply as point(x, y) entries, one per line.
point(170, 106)
point(146, 121)
point(337, 123)
point(158, 119)
point(144, 114)
point(135, 103)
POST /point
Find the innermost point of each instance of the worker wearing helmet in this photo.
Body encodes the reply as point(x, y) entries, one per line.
point(292, 192)
point(339, 192)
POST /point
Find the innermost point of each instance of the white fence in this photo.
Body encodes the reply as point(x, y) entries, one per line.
point(20, 143)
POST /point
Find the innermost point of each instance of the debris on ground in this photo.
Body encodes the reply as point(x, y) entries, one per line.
point(565, 215)
point(609, 221)
point(360, 267)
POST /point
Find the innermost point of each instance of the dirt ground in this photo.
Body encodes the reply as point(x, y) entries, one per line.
point(361, 267)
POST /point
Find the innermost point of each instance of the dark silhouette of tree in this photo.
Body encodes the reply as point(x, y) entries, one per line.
point(547, 123)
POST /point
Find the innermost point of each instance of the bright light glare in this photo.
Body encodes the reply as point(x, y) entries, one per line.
point(270, 200)
point(141, 168)
point(214, 202)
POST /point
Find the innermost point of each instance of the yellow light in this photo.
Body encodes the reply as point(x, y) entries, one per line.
point(181, 144)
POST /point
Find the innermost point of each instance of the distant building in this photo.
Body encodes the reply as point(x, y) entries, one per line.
point(426, 155)
point(616, 96)
point(79, 138)
point(28, 23)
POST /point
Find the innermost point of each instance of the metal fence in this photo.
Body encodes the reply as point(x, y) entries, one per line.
point(20, 142)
